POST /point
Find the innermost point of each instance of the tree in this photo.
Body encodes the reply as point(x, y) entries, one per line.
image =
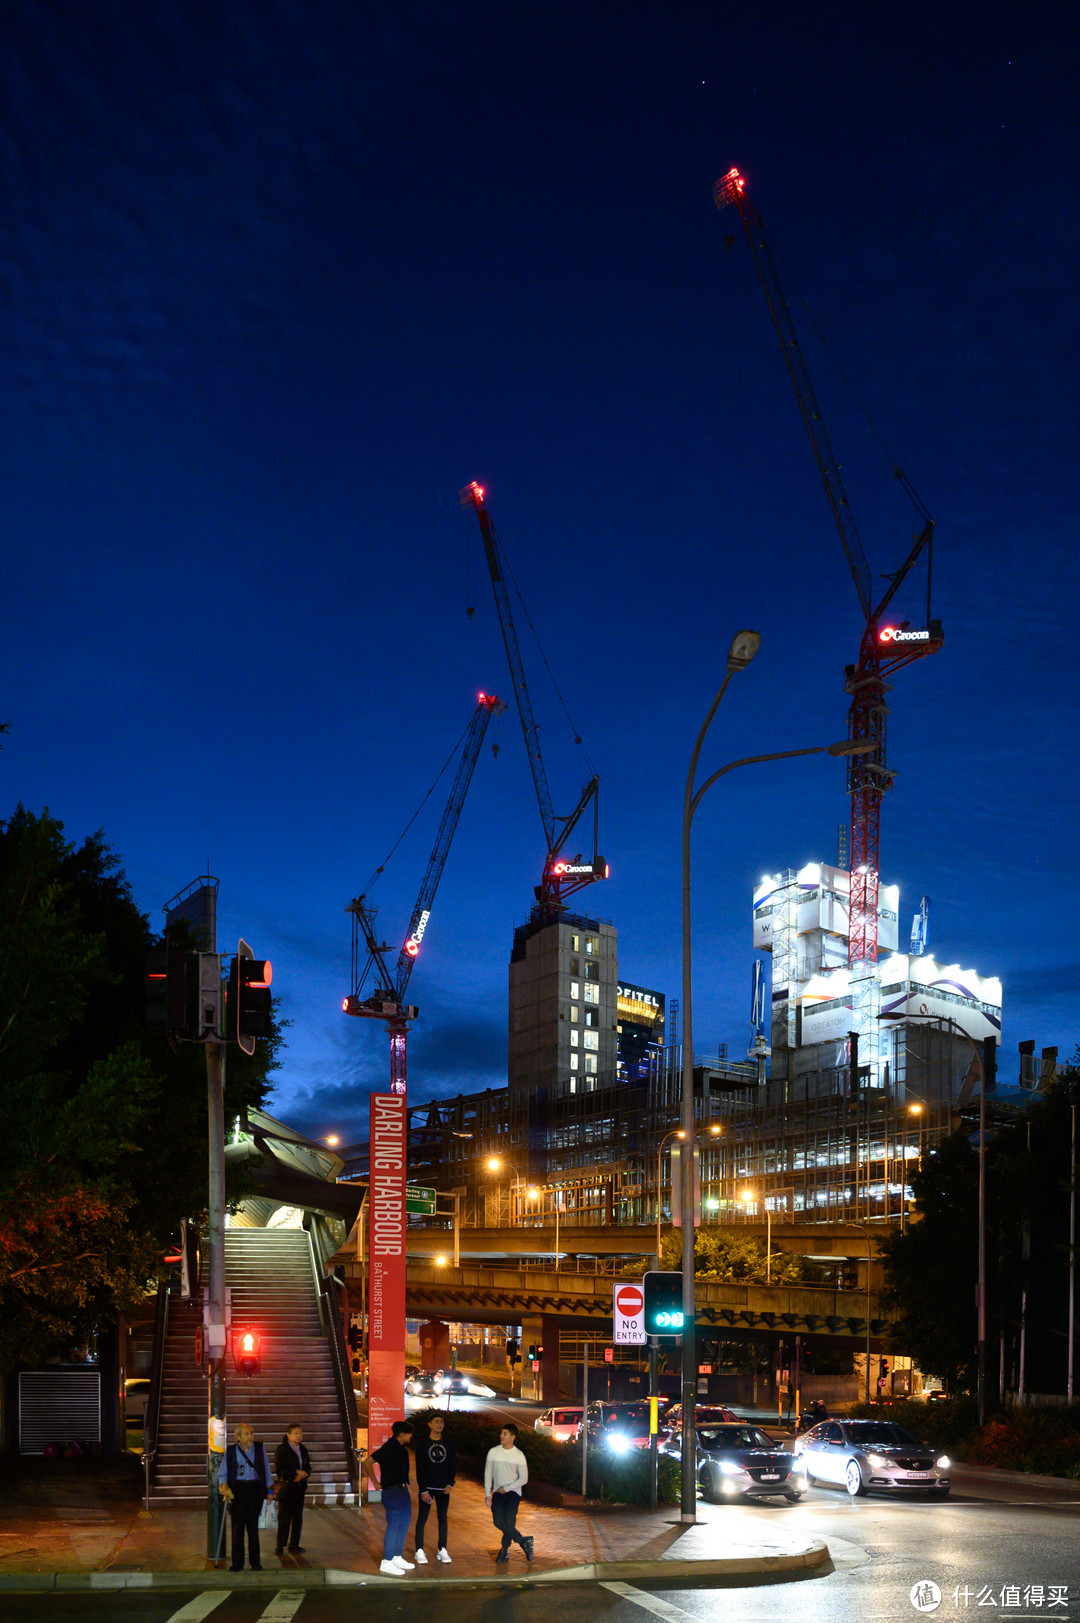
point(731, 1255)
point(104, 1129)
point(930, 1269)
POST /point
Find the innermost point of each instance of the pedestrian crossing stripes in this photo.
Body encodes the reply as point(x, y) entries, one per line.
point(283, 1606)
point(651, 1603)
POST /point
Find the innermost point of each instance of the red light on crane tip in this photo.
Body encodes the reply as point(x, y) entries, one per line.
point(412, 948)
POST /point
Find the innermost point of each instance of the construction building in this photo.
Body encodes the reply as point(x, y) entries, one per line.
point(832, 1132)
point(640, 1029)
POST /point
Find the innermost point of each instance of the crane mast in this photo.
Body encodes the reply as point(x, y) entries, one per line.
point(883, 649)
point(562, 876)
point(387, 1001)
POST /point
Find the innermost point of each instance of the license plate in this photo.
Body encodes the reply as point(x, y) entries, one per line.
point(770, 1476)
point(922, 1475)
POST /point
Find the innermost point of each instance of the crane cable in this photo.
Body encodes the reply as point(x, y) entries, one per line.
point(439, 775)
point(898, 473)
point(547, 667)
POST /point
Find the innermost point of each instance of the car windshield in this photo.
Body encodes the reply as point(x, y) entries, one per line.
point(716, 1437)
point(631, 1414)
point(878, 1431)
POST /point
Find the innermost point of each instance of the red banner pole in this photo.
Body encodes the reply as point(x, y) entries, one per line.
point(386, 1266)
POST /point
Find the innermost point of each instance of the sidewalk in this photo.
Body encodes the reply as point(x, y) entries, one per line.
point(100, 1538)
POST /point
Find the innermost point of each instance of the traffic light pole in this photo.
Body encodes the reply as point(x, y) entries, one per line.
point(215, 1333)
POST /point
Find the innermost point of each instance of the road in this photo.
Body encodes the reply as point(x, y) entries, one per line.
point(973, 1546)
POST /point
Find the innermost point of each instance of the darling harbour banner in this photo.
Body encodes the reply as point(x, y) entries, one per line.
point(386, 1265)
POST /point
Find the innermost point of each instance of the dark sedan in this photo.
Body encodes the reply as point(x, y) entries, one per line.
point(742, 1462)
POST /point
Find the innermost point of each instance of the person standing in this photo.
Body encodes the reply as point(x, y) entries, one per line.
point(393, 1462)
point(292, 1467)
point(244, 1481)
point(436, 1470)
point(505, 1474)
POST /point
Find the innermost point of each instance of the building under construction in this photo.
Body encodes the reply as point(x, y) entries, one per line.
point(822, 1129)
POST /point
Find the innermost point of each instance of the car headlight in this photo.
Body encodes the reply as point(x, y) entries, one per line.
point(878, 1462)
point(617, 1443)
point(943, 1463)
point(731, 1468)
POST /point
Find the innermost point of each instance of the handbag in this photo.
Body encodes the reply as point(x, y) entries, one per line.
point(268, 1516)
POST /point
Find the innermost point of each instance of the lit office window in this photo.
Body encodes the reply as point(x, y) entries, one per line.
point(574, 1060)
point(575, 988)
point(574, 1012)
point(574, 1039)
point(590, 1063)
point(592, 946)
point(592, 994)
point(592, 1038)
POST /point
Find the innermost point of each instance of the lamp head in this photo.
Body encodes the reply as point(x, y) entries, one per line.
point(744, 645)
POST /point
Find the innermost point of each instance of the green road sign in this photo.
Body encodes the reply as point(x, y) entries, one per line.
point(421, 1201)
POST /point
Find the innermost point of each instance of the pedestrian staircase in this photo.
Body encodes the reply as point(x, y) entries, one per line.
point(272, 1280)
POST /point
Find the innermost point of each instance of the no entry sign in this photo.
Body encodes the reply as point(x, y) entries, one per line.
point(628, 1316)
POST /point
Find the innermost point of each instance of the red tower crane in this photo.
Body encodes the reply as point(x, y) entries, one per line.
point(387, 1000)
point(562, 876)
point(884, 646)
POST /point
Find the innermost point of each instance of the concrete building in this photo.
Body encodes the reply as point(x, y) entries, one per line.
point(562, 1007)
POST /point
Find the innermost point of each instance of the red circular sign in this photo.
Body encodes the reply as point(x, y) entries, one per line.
point(630, 1301)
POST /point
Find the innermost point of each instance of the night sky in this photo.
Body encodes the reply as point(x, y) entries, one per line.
point(279, 278)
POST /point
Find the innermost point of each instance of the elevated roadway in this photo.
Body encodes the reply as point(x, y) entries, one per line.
point(822, 1241)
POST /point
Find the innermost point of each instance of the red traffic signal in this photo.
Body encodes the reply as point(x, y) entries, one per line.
point(247, 1351)
point(249, 997)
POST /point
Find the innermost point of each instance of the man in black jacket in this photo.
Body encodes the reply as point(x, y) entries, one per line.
point(292, 1467)
point(436, 1466)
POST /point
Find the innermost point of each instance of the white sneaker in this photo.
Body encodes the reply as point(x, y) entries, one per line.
point(444, 1555)
point(406, 1566)
point(391, 1569)
point(421, 1558)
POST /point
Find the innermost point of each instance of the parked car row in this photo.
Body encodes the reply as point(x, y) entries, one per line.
point(421, 1383)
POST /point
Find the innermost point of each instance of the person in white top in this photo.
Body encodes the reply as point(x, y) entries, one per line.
point(505, 1474)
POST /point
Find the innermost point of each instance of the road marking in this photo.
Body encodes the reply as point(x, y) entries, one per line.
point(651, 1603)
point(200, 1607)
point(285, 1604)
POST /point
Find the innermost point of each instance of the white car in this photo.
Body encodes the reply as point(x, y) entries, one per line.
point(866, 1455)
point(561, 1425)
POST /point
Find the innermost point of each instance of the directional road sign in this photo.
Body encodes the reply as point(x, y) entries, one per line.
point(421, 1201)
point(628, 1316)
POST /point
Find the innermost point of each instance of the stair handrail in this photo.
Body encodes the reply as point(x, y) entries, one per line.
point(152, 1416)
point(339, 1358)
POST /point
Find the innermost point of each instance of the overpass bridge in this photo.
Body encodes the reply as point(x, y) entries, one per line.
point(551, 1306)
point(823, 1242)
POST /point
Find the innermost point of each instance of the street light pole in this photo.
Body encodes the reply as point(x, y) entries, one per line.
point(866, 1234)
point(744, 646)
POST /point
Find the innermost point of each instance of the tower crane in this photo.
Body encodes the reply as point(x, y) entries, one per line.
point(562, 876)
point(387, 1000)
point(883, 648)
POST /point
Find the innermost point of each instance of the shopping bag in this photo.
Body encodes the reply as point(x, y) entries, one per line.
point(268, 1516)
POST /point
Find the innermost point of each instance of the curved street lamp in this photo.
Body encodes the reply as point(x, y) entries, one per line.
point(744, 646)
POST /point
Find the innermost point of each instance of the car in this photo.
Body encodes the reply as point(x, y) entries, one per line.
point(706, 1414)
point(136, 1397)
point(619, 1427)
point(460, 1385)
point(864, 1456)
point(561, 1425)
point(740, 1461)
point(424, 1384)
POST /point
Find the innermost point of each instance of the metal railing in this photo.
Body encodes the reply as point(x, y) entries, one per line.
point(152, 1417)
point(326, 1287)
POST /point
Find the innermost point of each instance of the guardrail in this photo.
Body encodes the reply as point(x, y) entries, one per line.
point(152, 1417)
point(327, 1286)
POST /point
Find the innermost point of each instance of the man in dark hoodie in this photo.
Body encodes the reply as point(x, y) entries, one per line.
point(436, 1465)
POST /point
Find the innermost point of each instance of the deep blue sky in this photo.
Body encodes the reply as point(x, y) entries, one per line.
point(280, 277)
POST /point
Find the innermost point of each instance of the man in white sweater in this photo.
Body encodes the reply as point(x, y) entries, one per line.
point(505, 1474)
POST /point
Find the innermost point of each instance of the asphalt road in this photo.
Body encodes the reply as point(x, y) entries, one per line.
point(975, 1546)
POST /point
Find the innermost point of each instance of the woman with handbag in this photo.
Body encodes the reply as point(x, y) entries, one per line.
point(292, 1467)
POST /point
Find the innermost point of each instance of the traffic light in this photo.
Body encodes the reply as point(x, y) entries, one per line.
point(663, 1304)
point(512, 1349)
point(171, 983)
point(247, 1352)
point(249, 997)
point(356, 1340)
